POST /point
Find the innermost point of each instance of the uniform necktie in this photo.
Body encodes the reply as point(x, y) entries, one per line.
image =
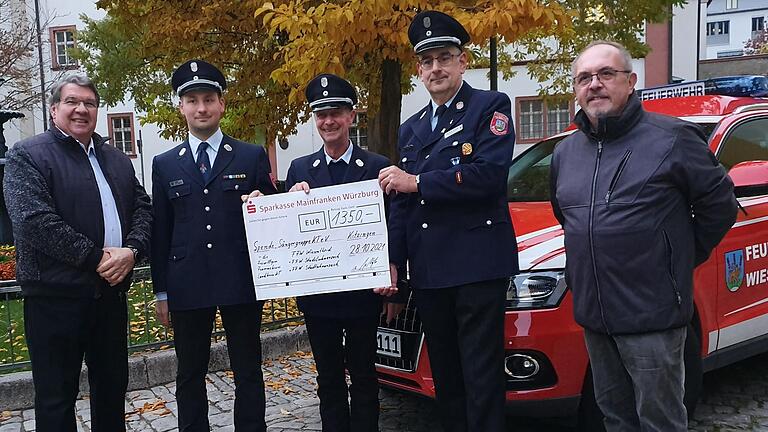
point(338, 170)
point(203, 162)
point(438, 112)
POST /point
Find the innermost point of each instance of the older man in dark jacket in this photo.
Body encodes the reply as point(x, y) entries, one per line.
point(642, 201)
point(80, 220)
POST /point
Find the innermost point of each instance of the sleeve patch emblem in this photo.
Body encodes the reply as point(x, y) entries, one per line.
point(499, 124)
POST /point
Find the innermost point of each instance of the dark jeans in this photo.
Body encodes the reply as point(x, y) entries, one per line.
point(464, 327)
point(640, 380)
point(340, 344)
point(60, 331)
point(192, 335)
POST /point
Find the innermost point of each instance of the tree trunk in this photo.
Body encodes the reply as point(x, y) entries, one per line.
point(382, 128)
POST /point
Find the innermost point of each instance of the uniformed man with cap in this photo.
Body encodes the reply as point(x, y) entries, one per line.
point(341, 326)
point(449, 221)
point(200, 258)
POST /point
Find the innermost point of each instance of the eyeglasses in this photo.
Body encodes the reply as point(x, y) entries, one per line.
point(603, 75)
point(74, 103)
point(443, 60)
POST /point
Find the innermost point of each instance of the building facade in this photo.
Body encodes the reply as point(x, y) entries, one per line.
point(731, 23)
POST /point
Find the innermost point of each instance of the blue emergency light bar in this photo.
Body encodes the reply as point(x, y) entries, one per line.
point(742, 85)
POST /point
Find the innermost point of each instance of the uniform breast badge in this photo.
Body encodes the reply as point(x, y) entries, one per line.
point(466, 149)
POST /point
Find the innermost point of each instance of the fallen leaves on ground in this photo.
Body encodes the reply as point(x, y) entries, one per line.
point(157, 408)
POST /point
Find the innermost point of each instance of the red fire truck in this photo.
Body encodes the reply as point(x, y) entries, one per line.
point(546, 369)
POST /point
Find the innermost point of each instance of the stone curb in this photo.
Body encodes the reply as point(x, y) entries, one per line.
point(155, 368)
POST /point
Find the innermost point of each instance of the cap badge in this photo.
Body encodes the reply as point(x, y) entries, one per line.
point(427, 22)
point(359, 163)
point(325, 92)
point(324, 82)
point(193, 66)
point(195, 77)
point(227, 147)
point(316, 163)
point(429, 33)
point(466, 149)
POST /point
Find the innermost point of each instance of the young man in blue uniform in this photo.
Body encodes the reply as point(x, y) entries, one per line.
point(449, 221)
point(200, 260)
point(341, 326)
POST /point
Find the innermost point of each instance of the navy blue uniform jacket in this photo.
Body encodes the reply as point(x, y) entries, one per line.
point(199, 252)
point(456, 229)
point(350, 304)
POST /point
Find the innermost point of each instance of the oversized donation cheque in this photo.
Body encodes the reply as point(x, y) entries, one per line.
point(332, 239)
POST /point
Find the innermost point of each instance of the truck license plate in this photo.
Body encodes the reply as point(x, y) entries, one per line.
point(388, 344)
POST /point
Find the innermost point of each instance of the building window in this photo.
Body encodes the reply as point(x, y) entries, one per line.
point(121, 132)
point(358, 131)
point(538, 119)
point(62, 42)
point(730, 53)
point(718, 28)
point(718, 32)
point(731, 4)
point(758, 24)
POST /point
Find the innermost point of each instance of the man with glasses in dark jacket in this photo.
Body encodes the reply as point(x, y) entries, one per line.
point(81, 220)
point(642, 201)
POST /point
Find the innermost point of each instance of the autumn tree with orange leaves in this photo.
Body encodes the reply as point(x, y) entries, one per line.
point(270, 50)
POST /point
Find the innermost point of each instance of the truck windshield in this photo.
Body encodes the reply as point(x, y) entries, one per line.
point(528, 179)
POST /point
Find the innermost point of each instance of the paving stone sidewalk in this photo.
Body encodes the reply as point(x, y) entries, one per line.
point(735, 399)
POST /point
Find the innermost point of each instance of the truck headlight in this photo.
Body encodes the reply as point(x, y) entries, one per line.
point(536, 290)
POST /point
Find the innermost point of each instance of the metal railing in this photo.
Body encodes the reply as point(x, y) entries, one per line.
point(144, 330)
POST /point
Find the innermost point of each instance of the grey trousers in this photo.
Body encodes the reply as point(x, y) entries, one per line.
point(639, 380)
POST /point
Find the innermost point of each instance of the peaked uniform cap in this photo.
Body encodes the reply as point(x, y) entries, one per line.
point(327, 91)
point(197, 75)
point(433, 29)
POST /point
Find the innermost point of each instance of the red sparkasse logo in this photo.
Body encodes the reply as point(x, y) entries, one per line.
point(250, 208)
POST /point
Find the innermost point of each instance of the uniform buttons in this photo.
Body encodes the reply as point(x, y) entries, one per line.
point(422, 202)
point(205, 191)
point(174, 257)
point(237, 187)
point(424, 225)
point(208, 227)
point(404, 159)
point(210, 246)
point(207, 208)
point(177, 194)
point(488, 222)
point(426, 157)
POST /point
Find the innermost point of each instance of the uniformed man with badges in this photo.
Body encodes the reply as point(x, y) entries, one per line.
point(341, 326)
point(200, 258)
point(449, 221)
